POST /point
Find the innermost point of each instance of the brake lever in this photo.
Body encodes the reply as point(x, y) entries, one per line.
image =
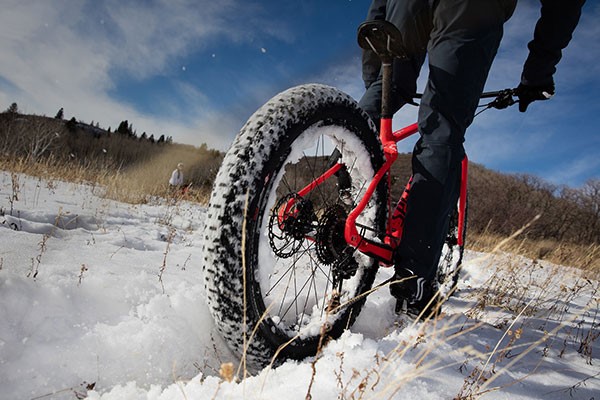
point(503, 100)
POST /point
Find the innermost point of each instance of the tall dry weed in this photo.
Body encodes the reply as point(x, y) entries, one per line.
point(136, 184)
point(585, 257)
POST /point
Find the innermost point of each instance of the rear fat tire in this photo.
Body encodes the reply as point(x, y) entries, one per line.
point(247, 180)
point(450, 262)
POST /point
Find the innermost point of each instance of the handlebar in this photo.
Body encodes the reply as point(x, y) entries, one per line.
point(502, 98)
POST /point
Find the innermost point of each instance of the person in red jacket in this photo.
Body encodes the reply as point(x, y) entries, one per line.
point(460, 38)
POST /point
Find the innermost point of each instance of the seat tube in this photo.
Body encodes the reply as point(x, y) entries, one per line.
point(386, 89)
point(387, 137)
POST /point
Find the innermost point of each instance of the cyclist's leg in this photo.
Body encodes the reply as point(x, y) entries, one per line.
point(463, 43)
point(412, 18)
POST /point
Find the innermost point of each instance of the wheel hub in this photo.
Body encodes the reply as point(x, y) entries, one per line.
point(290, 222)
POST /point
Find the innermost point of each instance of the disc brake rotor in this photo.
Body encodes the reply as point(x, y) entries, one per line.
point(291, 220)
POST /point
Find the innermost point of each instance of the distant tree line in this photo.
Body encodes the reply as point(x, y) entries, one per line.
point(32, 138)
point(502, 204)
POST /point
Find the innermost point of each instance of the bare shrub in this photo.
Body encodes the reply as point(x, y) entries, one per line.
point(501, 204)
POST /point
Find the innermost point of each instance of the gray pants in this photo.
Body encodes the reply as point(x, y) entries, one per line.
point(461, 38)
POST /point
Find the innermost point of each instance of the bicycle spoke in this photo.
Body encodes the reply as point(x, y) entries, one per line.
point(308, 288)
point(319, 188)
point(307, 298)
point(296, 296)
point(292, 266)
point(323, 305)
point(284, 294)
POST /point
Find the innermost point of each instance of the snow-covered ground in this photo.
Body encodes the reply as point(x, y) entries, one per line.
point(106, 300)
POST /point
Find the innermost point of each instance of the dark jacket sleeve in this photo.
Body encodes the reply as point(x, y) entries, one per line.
point(553, 32)
point(371, 64)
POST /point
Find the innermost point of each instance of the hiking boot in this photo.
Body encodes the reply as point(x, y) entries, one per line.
point(414, 295)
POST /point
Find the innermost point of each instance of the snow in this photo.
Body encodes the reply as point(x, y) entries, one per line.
point(106, 300)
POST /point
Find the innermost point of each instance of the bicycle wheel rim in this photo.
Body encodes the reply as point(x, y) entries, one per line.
point(295, 292)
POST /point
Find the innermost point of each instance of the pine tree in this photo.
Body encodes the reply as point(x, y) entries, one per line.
point(72, 125)
point(60, 114)
point(123, 128)
point(13, 109)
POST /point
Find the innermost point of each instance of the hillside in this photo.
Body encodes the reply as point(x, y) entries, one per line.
point(134, 166)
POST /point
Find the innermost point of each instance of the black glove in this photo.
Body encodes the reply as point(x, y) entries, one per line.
point(528, 94)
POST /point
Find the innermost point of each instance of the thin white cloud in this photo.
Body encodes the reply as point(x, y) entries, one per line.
point(45, 61)
point(344, 75)
point(569, 172)
point(145, 37)
point(70, 54)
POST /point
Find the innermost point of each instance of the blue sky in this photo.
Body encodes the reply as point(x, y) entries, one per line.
point(196, 70)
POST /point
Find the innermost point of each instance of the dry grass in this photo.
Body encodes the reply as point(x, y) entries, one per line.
point(135, 185)
point(52, 169)
point(537, 325)
point(585, 257)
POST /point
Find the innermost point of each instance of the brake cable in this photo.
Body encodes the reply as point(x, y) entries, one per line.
point(502, 99)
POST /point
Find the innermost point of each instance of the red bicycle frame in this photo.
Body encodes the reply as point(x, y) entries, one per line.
point(395, 221)
point(381, 251)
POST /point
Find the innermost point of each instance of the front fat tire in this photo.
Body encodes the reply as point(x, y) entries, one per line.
point(246, 182)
